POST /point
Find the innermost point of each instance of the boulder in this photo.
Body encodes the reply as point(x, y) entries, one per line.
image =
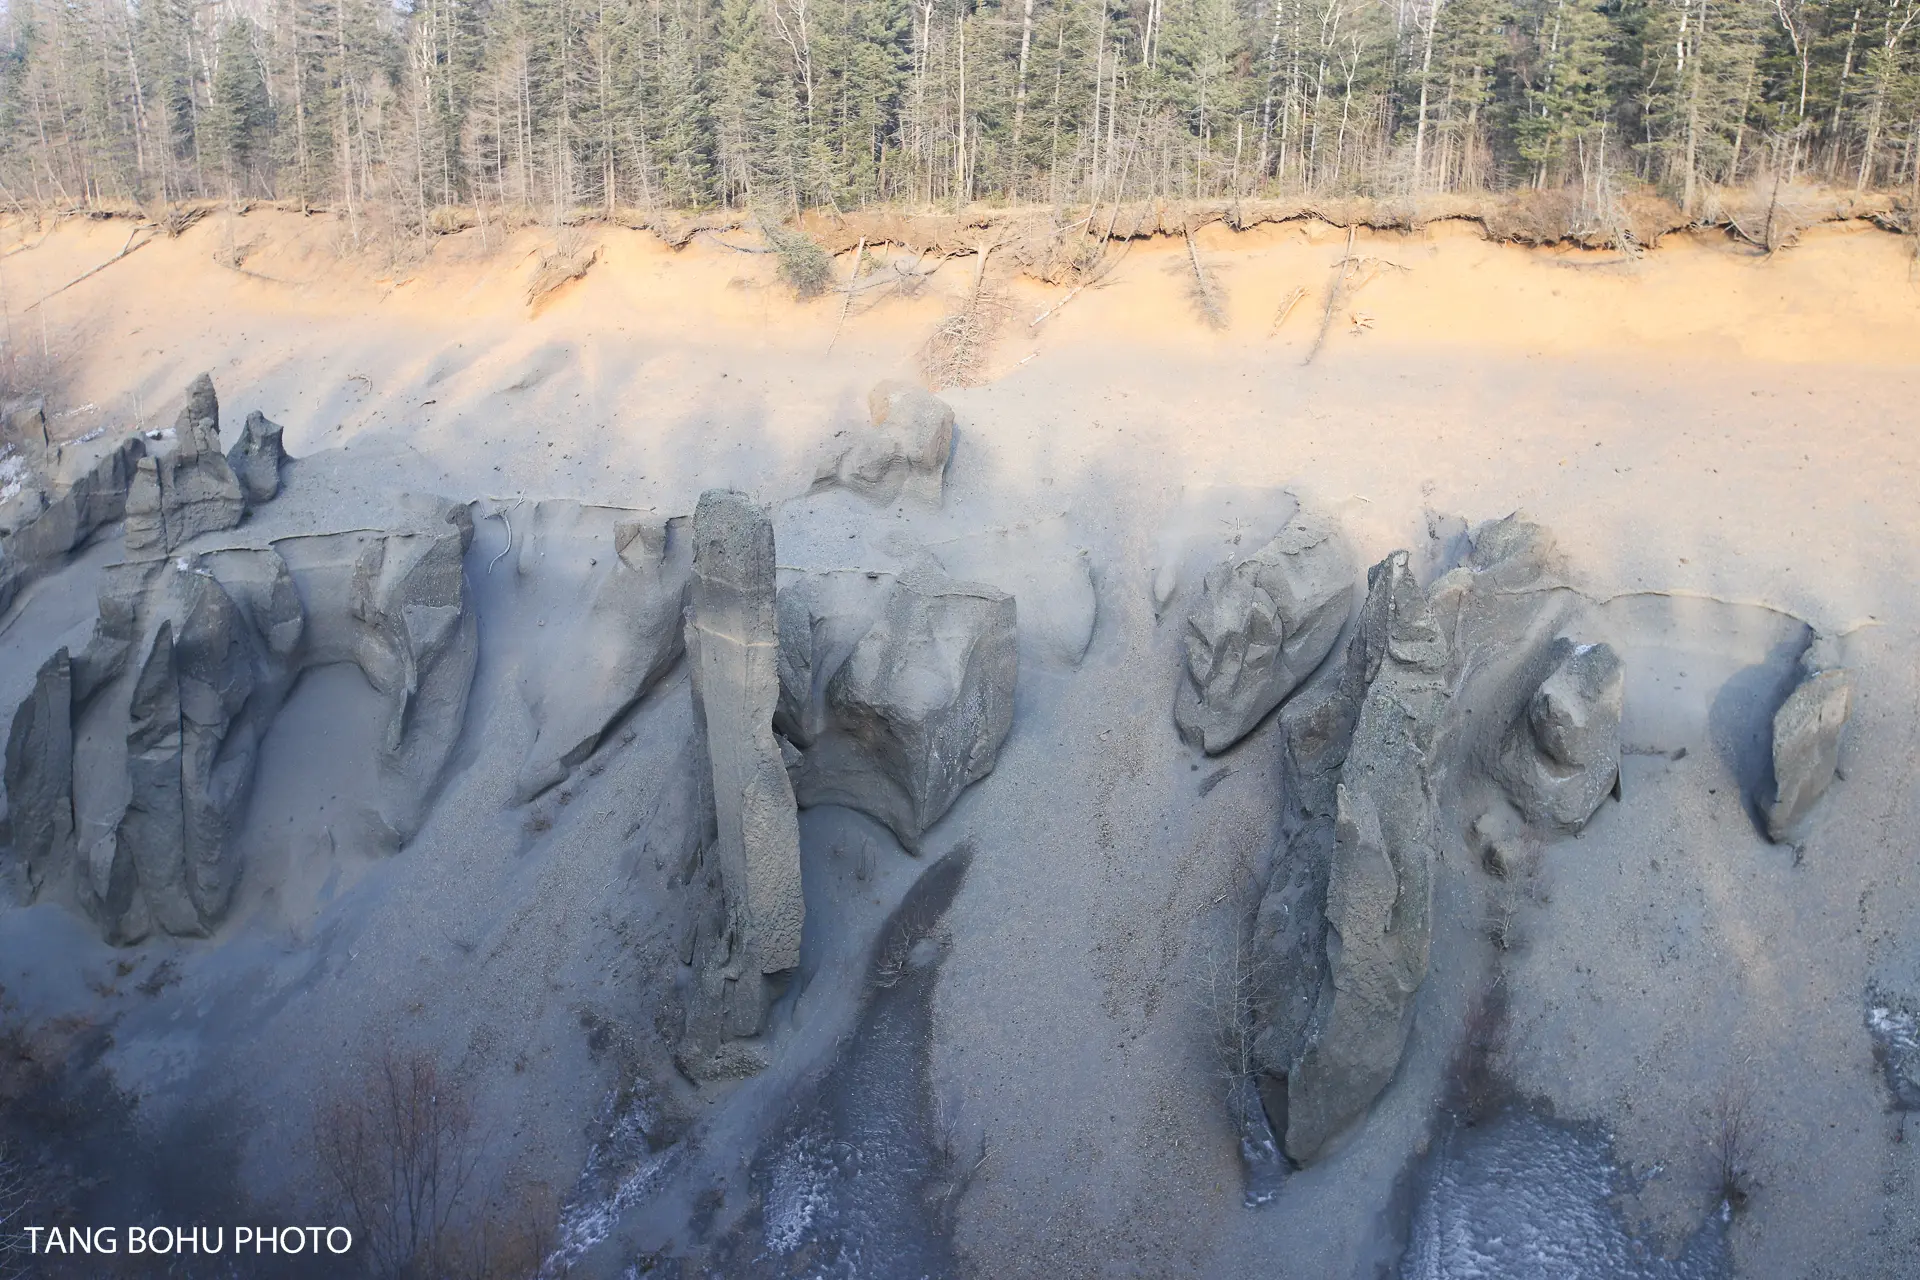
point(256, 457)
point(631, 635)
point(731, 644)
point(916, 710)
point(1261, 626)
point(39, 774)
point(904, 454)
point(1374, 972)
point(1342, 933)
point(1561, 758)
point(1806, 745)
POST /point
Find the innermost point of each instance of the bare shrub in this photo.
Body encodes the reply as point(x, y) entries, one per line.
point(1730, 1146)
point(1230, 973)
point(16, 1198)
point(956, 352)
point(400, 1153)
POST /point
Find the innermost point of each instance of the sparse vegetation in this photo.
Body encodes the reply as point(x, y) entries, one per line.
point(399, 1150)
point(1730, 1145)
point(956, 354)
point(804, 265)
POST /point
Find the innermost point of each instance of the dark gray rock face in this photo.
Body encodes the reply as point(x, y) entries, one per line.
point(177, 496)
point(599, 665)
point(1261, 627)
point(417, 640)
point(1562, 758)
point(45, 524)
point(897, 692)
point(217, 666)
point(905, 454)
point(1343, 929)
point(202, 406)
point(1806, 741)
point(191, 658)
point(256, 457)
point(731, 643)
point(39, 773)
point(1379, 887)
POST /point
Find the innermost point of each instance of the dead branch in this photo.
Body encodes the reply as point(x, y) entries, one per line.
point(1205, 295)
point(958, 346)
point(846, 302)
point(1287, 305)
point(125, 249)
point(1334, 291)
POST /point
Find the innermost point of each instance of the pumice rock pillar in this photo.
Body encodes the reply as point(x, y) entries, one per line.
point(733, 648)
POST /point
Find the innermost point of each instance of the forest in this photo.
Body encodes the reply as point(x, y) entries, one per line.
point(407, 111)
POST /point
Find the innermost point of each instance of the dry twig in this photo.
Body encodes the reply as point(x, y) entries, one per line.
point(1287, 305)
point(1334, 291)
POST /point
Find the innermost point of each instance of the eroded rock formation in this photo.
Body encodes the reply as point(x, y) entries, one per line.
point(149, 752)
point(1806, 739)
point(256, 457)
point(731, 644)
point(1562, 757)
point(1435, 684)
point(39, 773)
point(904, 454)
point(178, 495)
point(1379, 869)
point(897, 691)
point(60, 506)
point(589, 669)
point(1261, 627)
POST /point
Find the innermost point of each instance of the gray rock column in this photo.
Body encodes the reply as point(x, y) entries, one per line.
point(732, 644)
point(1806, 743)
point(39, 774)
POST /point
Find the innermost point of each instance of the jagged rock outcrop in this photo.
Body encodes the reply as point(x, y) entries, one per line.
point(593, 670)
point(731, 645)
point(905, 453)
point(256, 457)
point(1261, 627)
point(217, 666)
point(1429, 684)
point(1379, 887)
point(1562, 757)
point(179, 495)
point(39, 773)
point(897, 691)
point(190, 660)
point(1806, 740)
point(52, 518)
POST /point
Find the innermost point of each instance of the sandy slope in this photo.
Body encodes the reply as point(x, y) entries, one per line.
point(1703, 423)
